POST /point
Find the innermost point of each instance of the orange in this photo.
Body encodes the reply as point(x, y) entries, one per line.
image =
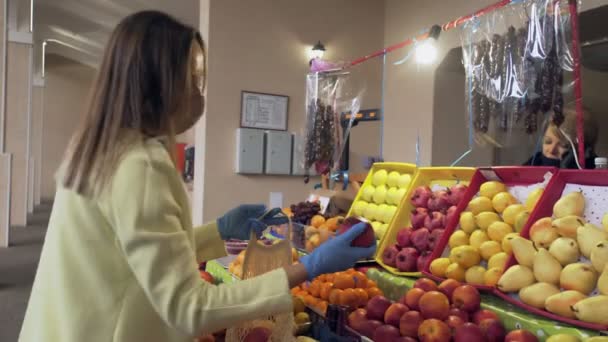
point(309, 300)
point(305, 286)
point(374, 291)
point(322, 278)
point(371, 283)
point(362, 296)
point(360, 279)
point(317, 221)
point(344, 281)
point(350, 271)
point(330, 277)
point(322, 307)
point(326, 290)
point(334, 296)
point(349, 298)
point(315, 288)
point(334, 223)
point(295, 290)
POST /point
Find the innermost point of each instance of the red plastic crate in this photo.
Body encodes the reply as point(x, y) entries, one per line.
point(510, 176)
point(552, 194)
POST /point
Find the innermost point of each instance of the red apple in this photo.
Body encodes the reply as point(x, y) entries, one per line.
point(421, 196)
point(206, 276)
point(493, 330)
point(406, 339)
point(520, 336)
point(357, 318)
point(389, 256)
point(435, 237)
point(469, 332)
point(482, 314)
point(394, 312)
point(467, 298)
point(420, 239)
point(448, 286)
point(406, 259)
point(454, 322)
point(439, 201)
point(258, 334)
point(426, 284)
point(386, 333)
point(460, 313)
point(418, 217)
point(456, 193)
point(376, 307)
point(412, 298)
point(434, 330)
point(369, 327)
point(423, 260)
point(365, 239)
point(450, 215)
point(403, 237)
point(434, 304)
point(435, 221)
point(409, 323)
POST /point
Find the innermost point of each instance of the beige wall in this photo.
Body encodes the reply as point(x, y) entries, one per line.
point(38, 122)
point(67, 87)
point(262, 46)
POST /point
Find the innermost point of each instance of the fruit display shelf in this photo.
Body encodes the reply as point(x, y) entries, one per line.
point(512, 316)
point(433, 177)
point(550, 266)
point(519, 182)
point(381, 194)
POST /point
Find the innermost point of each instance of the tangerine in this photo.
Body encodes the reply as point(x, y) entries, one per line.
point(349, 298)
point(309, 300)
point(344, 281)
point(322, 307)
point(315, 288)
point(362, 296)
point(371, 283)
point(326, 290)
point(322, 278)
point(360, 279)
point(374, 292)
point(330, 277)
point(334, 296)
point(317, 221)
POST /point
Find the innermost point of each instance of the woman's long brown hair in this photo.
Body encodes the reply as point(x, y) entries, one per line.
point(144, 81)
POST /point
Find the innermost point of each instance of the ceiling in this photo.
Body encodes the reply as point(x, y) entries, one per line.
point(85, 25)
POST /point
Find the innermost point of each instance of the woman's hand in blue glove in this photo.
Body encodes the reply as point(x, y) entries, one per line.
point(337, 254)
point(239, 222)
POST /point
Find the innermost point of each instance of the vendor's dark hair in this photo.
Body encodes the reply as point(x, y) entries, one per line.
point(143, 82)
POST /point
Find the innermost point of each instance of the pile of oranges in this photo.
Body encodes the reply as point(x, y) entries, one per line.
point(320, 230)
point(349, 288)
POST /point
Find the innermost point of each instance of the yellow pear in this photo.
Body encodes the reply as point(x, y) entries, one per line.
point(565, 250)
point(524, 251)
point(477, 238)
point(491, 188)
point(515, 278)
point(533, 198)
point(506, 242)
point(563, 338)
point(520, 221)
point(511, 212)
point(498, 230)
point(489, 249)
point(492, 276)
point(479, 205)
point(571, 204)
point(588, 236)
point(485, 219)
point(546, 268)
point(542, 233)
point(458, 238)
point(465, 256)
point(592, 310)
point(536, 294)
point(602, 282)
point(579, 277)
point(498, 260)
point(561, 303)
point(475, 275)
point(502, 200)
point(567, 226)
point(467, 222)
point(599, 255)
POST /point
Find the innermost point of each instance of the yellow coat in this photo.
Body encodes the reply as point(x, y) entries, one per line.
point(124, 267)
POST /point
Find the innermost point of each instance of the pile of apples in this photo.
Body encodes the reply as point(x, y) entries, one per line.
point(320, 230)
point(563, 264)
point(378, 201)
point(350, 288)
point(479, 250)
point(432, 211)
point(431, 313)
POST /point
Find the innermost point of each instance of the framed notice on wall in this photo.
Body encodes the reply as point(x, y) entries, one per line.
point(264, 111)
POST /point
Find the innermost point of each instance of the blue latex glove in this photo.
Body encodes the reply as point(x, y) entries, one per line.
point(239, 222)
point(337, 254)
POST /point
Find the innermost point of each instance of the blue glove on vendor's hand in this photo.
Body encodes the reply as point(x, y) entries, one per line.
point(239, 222)
point(337, 254)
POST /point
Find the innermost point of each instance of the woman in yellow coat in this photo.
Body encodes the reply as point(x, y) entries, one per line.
point(119, 261)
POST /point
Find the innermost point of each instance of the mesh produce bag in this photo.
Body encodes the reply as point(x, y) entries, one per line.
point(259, 259)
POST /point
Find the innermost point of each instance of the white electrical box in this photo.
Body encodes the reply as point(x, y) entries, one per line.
point(278, 153)
point(249, 151)
point(297, 157)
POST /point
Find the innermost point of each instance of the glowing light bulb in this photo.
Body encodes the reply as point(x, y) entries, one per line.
point(426, 52)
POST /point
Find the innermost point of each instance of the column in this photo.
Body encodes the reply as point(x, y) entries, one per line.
point(5, 159)
point(37, 131)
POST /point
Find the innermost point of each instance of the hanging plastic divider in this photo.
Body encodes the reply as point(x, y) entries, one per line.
point(328, 95)
point(518, 64)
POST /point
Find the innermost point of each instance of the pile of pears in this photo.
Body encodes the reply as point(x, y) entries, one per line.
point(563, 264)
point(480, 249)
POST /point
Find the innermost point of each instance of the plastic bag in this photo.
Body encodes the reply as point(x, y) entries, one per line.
point(328, 96)
point(517, 62)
